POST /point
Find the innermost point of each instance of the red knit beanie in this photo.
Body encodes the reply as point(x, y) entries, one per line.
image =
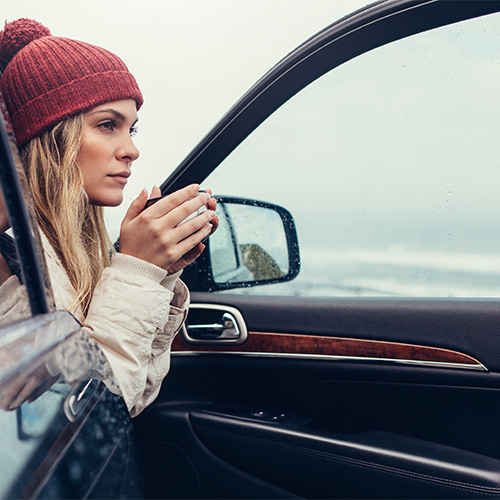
point(49, 78)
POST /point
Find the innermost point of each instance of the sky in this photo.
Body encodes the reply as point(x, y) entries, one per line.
point(192, 58)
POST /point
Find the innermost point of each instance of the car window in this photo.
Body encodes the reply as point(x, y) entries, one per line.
point(23, 431)
point(389, 165)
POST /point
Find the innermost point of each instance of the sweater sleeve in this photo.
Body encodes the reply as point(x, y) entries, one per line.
point(132, 318)
point(14, 303)
point(159, 363)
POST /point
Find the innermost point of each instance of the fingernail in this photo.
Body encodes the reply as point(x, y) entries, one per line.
point(211, 213)
point(206, 197)
point(195, 188)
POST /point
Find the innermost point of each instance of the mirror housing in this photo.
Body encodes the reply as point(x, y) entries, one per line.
point(256, 244)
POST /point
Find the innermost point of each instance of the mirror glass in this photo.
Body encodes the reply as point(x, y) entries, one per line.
point(223, 251)
point(250, 244)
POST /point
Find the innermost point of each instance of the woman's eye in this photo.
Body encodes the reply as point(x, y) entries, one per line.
point(134, 130)
point(108, 125)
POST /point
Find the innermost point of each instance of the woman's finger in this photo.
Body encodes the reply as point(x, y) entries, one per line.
point(187, 259)
point(212, 204)
point(215, 224)
point(28, 388)
point(172, 201)
point(136, 207)
point(155, 192)
point(10, 394)
point(193, 225)
point(193, 239)
point(188, 209)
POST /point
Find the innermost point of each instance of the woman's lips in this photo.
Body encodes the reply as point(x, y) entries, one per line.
point(121, 178)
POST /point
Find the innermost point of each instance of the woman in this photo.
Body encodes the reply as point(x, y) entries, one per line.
point(74, 108)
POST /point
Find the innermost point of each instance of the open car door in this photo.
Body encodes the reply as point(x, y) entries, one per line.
point(374, 373)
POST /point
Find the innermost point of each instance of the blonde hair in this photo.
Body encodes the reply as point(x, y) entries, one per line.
point(73, 226)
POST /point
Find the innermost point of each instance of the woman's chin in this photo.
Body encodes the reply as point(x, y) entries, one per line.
point(111, 201)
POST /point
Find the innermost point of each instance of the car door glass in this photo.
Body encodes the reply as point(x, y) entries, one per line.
point(23, 431)
point(389, 165)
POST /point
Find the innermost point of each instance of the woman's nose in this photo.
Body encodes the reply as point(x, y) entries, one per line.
point(129, 150)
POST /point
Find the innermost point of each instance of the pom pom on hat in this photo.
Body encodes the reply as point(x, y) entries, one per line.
point(17, 34)
point(48, 78)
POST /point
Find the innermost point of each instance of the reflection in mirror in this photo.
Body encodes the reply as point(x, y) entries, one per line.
point(250, 244)
point(223, 251)
point(262, 241)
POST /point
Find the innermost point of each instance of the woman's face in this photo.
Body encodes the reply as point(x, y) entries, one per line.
point(107, 151)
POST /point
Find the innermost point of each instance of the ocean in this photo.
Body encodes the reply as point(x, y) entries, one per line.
point(395, 271)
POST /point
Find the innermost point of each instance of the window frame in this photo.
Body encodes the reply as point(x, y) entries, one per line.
point(15, 191)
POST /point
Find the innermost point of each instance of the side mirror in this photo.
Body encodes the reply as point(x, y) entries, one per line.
point(256, 244)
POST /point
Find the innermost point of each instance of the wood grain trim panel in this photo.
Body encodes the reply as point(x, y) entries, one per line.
point(280, 343)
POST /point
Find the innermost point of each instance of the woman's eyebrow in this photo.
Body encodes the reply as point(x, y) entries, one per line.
point(114, 112)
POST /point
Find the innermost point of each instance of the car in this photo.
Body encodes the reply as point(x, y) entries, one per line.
point(366, 362)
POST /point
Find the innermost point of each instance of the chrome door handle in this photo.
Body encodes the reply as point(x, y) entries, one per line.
point(230, 328)
point(226, 329)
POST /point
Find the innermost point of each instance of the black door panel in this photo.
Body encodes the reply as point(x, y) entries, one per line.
point(367, 464)
point(422, 416)
point(352, 427)
point(177, 465)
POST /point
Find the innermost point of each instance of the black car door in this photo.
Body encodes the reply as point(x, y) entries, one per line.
point(375, 373)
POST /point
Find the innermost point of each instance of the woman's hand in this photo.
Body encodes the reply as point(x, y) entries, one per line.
point(26, 388)
point(154, 235)
point(193, 254)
